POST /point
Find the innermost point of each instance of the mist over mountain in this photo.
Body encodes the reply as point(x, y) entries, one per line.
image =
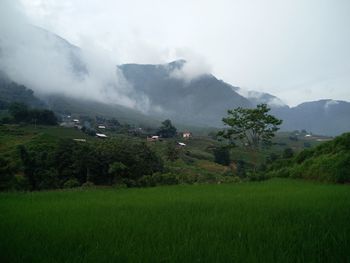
point(50, 65)
point(202, 100)
point(330, 117)
point(67, 78)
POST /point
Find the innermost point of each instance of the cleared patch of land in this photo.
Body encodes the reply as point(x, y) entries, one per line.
point(272, 221)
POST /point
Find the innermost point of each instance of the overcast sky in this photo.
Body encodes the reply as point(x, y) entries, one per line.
point(298, 50)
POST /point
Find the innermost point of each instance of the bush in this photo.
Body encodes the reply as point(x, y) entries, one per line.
point(21, 113)
point(158, 179)
point(222, 155)
point(230, 179)
point(71, 183)
point(20, 183)
point(328, 162)
point(257, 176)
point(6, 173)
point(88, 185)
point(342, 172)
point(47, 179)
point(288, 153)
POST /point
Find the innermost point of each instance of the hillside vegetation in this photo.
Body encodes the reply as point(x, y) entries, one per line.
point(329, 162)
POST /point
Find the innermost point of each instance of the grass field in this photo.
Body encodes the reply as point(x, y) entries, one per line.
point(271, 221)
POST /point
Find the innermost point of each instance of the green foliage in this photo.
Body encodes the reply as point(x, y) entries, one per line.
point(167, 130)
point(288, 153)
point(271, 158)
point(47, 162)
point(88, 185)
point(6, 173)
point(222, 155)
point(12, 92)
point(172, 152)
point(250, 127)
point(116, 170)
point(158, 179)
point(241, 168)
point(329, 162)
point(71, 183)
point(22, 114)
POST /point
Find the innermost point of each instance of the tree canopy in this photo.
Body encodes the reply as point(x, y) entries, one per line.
point(21, 113)
point(167, 130)
point(250, 127)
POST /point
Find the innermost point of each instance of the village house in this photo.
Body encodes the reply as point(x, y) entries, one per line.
point(186, 135)
point(153, 138)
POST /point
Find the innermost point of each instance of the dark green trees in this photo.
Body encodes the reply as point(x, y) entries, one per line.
point(167, 130)
point(172, 152)
point(250, 128)
point(222, 155)
point(6, 173)
point(21, 113)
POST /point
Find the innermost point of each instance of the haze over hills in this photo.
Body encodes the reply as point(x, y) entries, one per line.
point(202, 100)
point(69, 79)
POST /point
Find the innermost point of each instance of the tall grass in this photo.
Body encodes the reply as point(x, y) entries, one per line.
point(273, 221)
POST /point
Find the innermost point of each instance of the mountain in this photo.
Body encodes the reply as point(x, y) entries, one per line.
point(328, 117)
point(256, 97)
point(12, 92)
point(203, 100)
point(66, 80)
point(68, 105)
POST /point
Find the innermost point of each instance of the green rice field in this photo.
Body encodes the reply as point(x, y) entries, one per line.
point(272, 221)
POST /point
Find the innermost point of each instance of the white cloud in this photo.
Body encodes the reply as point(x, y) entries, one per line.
point(49, 65)
point(297, 50)
point(194, 67)
point(261, 97)
point(330, 103)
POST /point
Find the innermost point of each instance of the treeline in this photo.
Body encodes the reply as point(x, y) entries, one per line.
point(328, 162)
point(68, 163)
point(21, 113)
point(12, 92)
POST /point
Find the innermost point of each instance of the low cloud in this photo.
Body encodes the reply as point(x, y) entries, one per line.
point(194, 66)
point(330, 103)
point(50, 65)
point(261, 97)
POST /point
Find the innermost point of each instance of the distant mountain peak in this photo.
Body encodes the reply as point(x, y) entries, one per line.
point(257, 97)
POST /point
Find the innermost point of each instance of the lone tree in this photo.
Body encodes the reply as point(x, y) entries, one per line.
point(252, 128)
point(167, 130)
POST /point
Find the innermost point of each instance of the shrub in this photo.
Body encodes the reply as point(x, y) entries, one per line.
point(342, 173)
point(20, 183)
point(222, 155)
point(303, 155)
point(71, 183)
point(257, 176)
point(288, 153)
point(158, 179)
point(47, 179)
point(328, 162)
point(88, 185)
point(6, 173)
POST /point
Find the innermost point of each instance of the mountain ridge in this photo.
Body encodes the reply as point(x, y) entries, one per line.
point(197, 99)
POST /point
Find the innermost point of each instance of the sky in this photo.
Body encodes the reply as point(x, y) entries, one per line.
point(295, 49)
